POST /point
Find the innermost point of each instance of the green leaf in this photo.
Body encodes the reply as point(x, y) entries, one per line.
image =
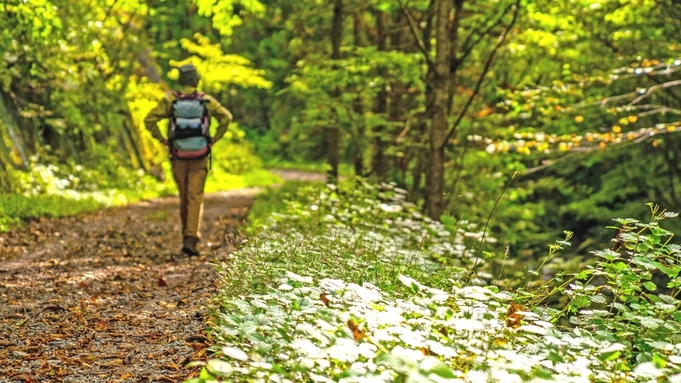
point(668, 299)
point(555, 357)
point(219, 367)
point(609, 356)
point(437, 367)
point(651, 323)
point(395, 362)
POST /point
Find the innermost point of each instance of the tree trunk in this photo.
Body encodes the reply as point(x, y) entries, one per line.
point(132, 130)
point(358, 109)
point(454, 66)
point(379, 166)
point(333, 134)
point(149, 65)
point(439, 78)
point(417, 172)
point(6, 180)
point(12, 126)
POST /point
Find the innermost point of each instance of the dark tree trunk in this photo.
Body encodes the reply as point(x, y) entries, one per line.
point(359, 135)
point(379, 165)
point(439, 79)
point(333, 134)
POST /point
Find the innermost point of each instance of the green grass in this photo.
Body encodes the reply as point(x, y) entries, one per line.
point(344, 169)
point(220, 181)
point(16, 207)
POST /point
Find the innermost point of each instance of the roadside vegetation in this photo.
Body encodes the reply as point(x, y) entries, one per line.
point(350, 283)
point(58, 190)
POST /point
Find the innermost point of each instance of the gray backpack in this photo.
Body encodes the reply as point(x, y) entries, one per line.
point(188, 131)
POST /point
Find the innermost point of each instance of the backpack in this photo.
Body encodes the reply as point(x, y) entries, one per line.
point(188, 131)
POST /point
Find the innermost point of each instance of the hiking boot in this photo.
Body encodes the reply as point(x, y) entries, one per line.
point(189, 246)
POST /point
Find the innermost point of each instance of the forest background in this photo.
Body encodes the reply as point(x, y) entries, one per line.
point(566, 108)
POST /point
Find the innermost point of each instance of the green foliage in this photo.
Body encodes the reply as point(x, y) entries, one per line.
point(359, 79)
point(308, 322)
point(636, 307)
point(223, 14)
point(70, 189)
point(218, 70)
point(375, 226)
point(18, 207)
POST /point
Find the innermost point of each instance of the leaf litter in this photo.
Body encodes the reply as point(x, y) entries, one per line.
point(107, 297)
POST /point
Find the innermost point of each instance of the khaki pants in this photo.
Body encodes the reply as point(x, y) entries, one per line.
point(190, 177)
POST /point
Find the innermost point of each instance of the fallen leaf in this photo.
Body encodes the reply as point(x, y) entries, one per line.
point(324, 299)
point(101, 326)
point(357, 333)
point(514, 317)
point(167, 305)
point(113, 363)
point(26, 378)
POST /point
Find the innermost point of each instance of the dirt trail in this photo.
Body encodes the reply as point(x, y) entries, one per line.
point(107, 297)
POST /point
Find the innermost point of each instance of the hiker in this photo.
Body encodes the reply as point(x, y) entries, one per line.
point(189, 143)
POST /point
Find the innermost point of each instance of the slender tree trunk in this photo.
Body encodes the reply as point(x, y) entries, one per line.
point(333, 134)
point(130, 148)
point(149, 65)
point(439, 77)
point(454, 66)
point(358, 109)
point(422, 161)
point(12, 126)
point(6, 165)
point(379, 166)
point(132, 130)
point(417, 173)
point(5, 183)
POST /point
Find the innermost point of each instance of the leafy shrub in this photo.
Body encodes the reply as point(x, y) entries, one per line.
point(49, 190)
point(355, 231)
point(52, 189)
point(314, 308)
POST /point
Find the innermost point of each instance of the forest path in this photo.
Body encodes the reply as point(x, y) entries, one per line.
point(107, 296)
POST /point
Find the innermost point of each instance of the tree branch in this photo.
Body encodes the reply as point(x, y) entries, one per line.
point(467, 49)
point(485, 70)
point(548, 163)
point(654, 88)
point(660, 110)
point(417, 37)
point(638, 137)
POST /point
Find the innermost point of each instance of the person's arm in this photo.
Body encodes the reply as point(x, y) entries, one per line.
point(221, 114)
point(158, 113)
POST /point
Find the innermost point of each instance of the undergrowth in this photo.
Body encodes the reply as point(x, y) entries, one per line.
point(352, 284)
point(49, 190)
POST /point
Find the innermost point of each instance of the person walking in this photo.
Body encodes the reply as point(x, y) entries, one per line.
point(189, 143)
